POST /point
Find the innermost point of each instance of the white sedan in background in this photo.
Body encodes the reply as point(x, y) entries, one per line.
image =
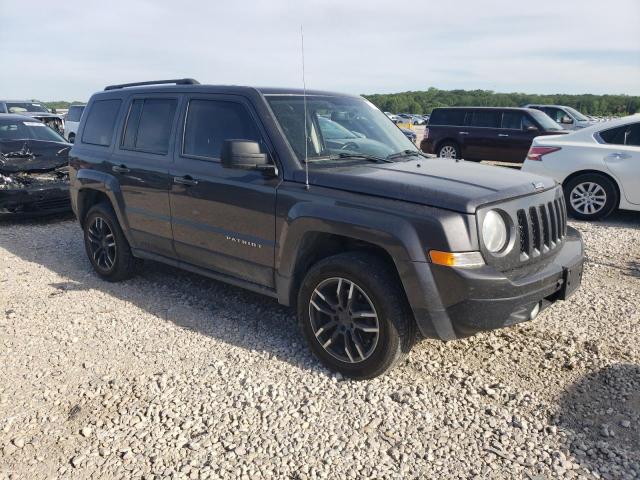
point(598, 166)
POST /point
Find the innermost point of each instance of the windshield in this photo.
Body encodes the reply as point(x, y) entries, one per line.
point(19, 107)
point(576, 114)
point(27, 130)
point(337, 127)
point(545, 121)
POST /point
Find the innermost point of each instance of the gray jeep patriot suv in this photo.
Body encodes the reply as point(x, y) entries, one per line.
point(379, 245)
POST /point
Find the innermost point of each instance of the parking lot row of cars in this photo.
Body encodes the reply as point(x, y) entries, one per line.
point(598, 168)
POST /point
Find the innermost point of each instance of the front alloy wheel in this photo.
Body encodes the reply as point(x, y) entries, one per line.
point(344, 320)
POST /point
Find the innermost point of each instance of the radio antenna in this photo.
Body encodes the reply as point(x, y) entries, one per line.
point(304, 97)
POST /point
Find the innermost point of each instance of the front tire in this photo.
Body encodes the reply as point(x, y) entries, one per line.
point(106, 246)
point(449, 150)
point(354, 315)
point(591, 196)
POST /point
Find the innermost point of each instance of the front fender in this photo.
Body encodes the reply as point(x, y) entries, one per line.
point(390, 232)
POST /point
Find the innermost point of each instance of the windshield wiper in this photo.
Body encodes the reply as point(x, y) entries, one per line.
point(370, 158)
point(406, 153)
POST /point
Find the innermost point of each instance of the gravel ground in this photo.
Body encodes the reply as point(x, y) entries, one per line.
point(171, 375)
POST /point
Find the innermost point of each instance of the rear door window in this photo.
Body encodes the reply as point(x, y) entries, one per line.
point(149, 123)
point(101, 120)
point(447, 117)
point(486, 119)
point(210, 122)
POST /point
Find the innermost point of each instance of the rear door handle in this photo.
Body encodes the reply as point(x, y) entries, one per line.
point(120, 169)
point(503, 134)
point(186, 180)
point(463, 133)
point(617, 156)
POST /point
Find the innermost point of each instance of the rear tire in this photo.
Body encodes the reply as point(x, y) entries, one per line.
point(367, 328)
point(449, 150)
point(591, 196)
point(106, 246)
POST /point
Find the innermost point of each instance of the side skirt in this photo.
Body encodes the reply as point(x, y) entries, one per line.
point(254, 287)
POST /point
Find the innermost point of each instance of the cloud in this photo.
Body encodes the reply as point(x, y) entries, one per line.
point(67, 50)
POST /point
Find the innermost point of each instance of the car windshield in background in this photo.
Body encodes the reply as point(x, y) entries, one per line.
point(338, 127)
point(27, 130)
point(545, 121)
point(20, 107)
point(577, 115)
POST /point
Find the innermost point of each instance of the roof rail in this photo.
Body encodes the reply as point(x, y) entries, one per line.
point(179, 81)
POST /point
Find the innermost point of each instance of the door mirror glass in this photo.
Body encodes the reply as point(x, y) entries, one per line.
point(566, 120)
point(243, 154)
point(531, 128)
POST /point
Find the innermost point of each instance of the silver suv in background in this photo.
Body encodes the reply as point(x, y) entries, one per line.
point(569, 118)
point(71, 122)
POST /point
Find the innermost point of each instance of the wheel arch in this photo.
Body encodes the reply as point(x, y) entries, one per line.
point(594, 172)
point(91, 187)
point(305, 240)
point(447, 140)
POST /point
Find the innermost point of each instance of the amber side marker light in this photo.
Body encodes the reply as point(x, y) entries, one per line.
point(456, 259)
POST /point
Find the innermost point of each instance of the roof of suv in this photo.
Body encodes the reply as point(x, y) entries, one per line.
point(230, 89)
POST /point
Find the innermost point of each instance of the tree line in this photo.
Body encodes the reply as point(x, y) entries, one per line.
point(424, 101)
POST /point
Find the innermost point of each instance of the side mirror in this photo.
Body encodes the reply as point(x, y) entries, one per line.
point(244, 154)
point(531, 128)
point(567, 120)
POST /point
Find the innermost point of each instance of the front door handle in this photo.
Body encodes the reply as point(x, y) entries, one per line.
point(617, 156)
point(120, 169)
point(503, 134)
point(186, 180)
point(463, 133)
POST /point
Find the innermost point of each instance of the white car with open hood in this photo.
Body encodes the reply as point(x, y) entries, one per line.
point(598, 166)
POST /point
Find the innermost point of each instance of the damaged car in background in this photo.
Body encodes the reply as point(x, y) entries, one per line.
point(35, 110)
point(34, 172)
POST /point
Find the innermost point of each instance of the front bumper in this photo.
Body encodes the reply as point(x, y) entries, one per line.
point(461, 302)
point(32, 201)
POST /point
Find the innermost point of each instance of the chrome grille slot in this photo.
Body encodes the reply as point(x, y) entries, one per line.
point(553, 223)
point(535, 228)
point(547, 230)
point(523, 232)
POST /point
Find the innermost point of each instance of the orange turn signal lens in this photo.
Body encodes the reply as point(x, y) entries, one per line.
point(456, 259)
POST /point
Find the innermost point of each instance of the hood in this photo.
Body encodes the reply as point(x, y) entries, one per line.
point(40, 115)
point(436, 182)
point(27, 156)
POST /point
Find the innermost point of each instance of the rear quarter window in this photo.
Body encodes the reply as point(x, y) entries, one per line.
point(101, 120)
point(74, 114)
point(447, 117)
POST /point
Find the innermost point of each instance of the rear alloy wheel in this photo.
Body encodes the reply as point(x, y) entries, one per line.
point(448, 150)
point(591, 196)
point(354, 315)
point(102, 244)
point(106, 245)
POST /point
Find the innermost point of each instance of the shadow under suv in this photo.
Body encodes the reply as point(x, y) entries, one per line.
point(485, 133)
point(372, 243)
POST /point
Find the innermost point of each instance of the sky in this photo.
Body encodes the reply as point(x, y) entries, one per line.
point(66, 50)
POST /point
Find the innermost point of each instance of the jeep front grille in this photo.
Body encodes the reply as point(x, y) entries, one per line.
point(541, 228)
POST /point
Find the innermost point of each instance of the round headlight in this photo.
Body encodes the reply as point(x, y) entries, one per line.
point(494, 232)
